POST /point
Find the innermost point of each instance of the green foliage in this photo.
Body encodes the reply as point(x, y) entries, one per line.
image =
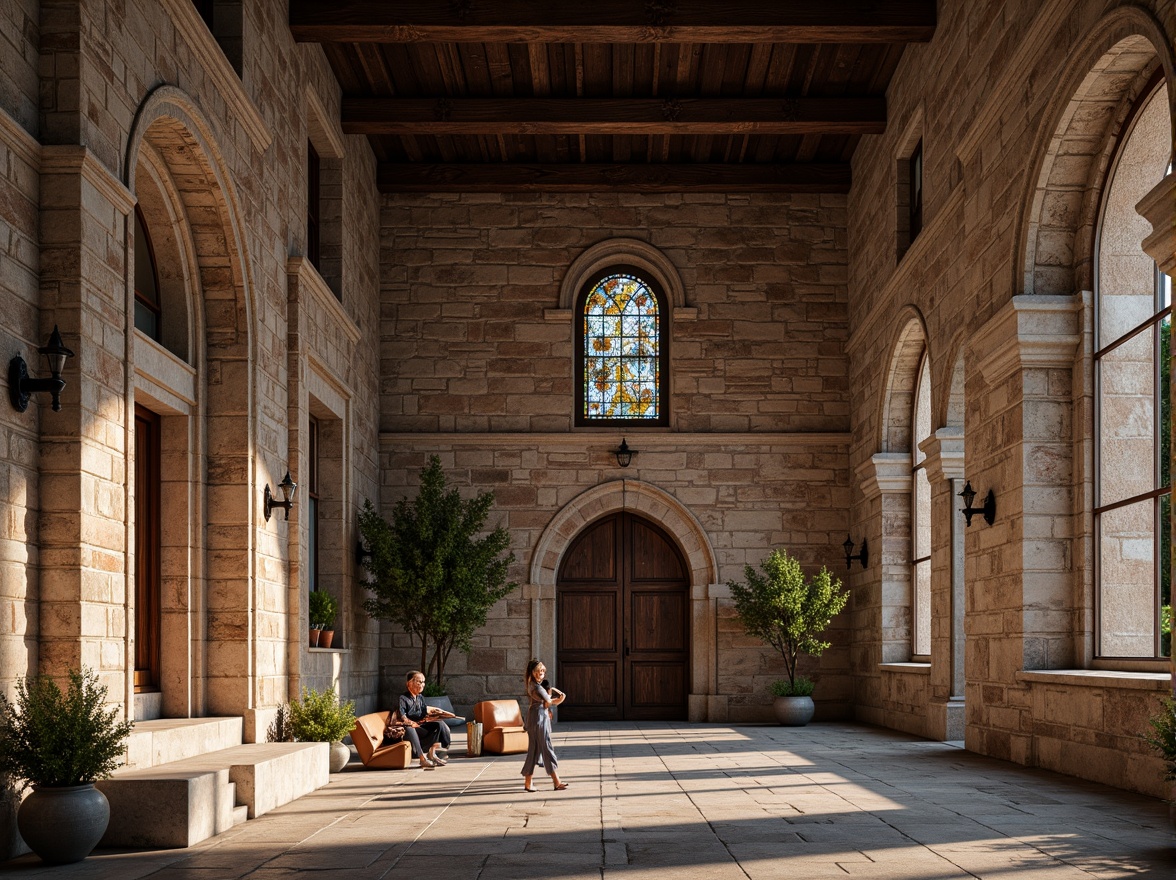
point(51, 739)
point(434, 690)
point(1166, 631)
point(432, 571)
point(785, 610)
point(1163, 736)
point(323, 609)
point(319, 717)
point(802, 687)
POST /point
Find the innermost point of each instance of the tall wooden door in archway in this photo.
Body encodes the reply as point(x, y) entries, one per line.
point(622, 635)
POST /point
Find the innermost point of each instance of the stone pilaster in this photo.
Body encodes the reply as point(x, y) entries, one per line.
point(886, 479)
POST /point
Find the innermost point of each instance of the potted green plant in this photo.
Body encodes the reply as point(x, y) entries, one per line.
point(320, 717)
point(780, 606)
point(61, 744)
point(1163, 740)
point(323, 609)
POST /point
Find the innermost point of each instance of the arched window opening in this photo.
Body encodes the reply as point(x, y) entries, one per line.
point(621, 350)
point(148, 312)
point(1132, 332)
point(921, 517)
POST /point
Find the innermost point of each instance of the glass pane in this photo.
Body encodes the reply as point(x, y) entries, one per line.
point(313, 544)
point(921, 515)
point(1127, 439)
point(922, 413)
point(1127, 580)
point(923, 608)
point(146, 320)
point(1166, 576)
point(1165, 450)
point(621, 348)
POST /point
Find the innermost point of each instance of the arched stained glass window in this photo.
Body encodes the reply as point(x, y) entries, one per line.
point(621, 351)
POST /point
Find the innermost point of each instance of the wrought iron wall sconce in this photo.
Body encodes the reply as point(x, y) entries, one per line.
point(288, 487)
point(22, 386)
point(863, 557)
point(988, 508)
point(624, 454)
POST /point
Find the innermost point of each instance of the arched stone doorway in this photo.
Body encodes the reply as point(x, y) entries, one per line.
point(678, 525)
point(622, 623)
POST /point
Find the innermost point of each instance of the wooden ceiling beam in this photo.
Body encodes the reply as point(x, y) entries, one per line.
point(412, 177)
point(635, 116)
point(612, 21)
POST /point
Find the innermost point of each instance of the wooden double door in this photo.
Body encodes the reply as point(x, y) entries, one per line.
point(623, 624)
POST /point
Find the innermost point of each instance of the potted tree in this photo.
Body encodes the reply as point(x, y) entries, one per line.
point(319, 717)
point(780, 606)
point(61, 745)
point(1163, 740)
point(324, 608)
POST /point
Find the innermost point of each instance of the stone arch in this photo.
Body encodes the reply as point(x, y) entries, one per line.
point(173, 145)
point(901, 375)
point(1094, 100)
point(631, 252)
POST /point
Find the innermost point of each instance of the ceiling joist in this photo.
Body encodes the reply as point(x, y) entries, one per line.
point(612, 21)
point(624, 116)
point(413, 177)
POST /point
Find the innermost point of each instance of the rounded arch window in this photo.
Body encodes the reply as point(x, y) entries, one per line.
point(622, 350)
point(1133, 307)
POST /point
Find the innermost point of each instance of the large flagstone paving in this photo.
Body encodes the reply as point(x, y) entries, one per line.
point(707, 802)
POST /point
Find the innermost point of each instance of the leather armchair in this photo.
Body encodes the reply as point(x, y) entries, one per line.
point(502, 726)
point(367, 736)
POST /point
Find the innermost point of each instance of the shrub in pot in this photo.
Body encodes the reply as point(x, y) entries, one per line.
point(1163, 740)
point(324, 608)
point(789, 612)
point(61, 744)
point(320, 717)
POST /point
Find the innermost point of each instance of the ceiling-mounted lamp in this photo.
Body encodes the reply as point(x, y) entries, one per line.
point(988, 508)
point(624, 454)
point(22, 386)
point(850, 556)
point(288, 487)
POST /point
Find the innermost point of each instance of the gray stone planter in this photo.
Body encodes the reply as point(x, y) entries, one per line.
point(63, 824)
point(340, 755)
point(794, 711)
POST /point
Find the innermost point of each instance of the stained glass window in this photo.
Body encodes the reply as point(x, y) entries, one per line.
point(622, 355)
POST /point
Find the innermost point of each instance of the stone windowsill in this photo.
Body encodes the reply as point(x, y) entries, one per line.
point(329, 650)
point(911, 668)
point(1148, 681)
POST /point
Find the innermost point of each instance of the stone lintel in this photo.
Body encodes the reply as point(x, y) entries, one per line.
point(944, 451)
point(1031, 331)
point(1158, 208)
point(886, 472)
point(69, 159)
point(303, 276)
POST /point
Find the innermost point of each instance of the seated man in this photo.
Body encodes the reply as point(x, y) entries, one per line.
point(423, 725)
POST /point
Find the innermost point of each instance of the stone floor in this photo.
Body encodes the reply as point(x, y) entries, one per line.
point(706, 802)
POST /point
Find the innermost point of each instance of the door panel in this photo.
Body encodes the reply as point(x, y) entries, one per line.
point(147, 550)
point(623, 624)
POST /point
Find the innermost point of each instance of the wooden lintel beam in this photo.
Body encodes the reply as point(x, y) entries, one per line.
point(413, 177)
point(612, 21)
point(572, 116)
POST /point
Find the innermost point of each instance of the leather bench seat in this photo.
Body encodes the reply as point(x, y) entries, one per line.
point(502, 726)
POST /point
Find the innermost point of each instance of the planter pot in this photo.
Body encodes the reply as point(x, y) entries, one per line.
point(340, 755)
point(326, 637)
point(63, 824)
point(794, 711)
point(314, 637)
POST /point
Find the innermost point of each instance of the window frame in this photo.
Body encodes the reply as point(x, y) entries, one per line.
point(581, 419)
point(313, 547)
point(313, 205)
point(915, 198)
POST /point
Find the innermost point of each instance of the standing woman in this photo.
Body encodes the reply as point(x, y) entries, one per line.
point(538, 724)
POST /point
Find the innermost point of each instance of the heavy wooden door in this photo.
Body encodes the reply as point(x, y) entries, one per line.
point(147, 550)
point(623, 638)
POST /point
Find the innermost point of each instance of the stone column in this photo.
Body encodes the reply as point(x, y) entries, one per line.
point(886, 478)
point(84, 456)
point(1020, 572)
point(944, 462)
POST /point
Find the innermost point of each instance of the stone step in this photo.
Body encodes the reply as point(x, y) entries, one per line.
point(165, 740)
point(183, 802)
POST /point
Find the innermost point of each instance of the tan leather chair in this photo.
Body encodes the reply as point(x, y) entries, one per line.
point(502, 726)
point(367, 736)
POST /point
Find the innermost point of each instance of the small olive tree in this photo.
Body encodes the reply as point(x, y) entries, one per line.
point(433, 571)
point(785, 610)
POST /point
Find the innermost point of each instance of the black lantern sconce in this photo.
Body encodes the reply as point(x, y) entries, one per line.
point(624, 454)
point(988, 508)
point(850, 556)
point(288, 487)
point(22, 386)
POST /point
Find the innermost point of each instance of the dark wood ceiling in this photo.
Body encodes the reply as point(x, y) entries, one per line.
point(585, 95)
